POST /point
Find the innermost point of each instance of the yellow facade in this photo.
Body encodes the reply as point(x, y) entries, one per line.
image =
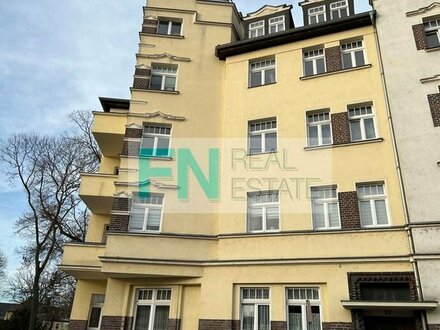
point(203, 251)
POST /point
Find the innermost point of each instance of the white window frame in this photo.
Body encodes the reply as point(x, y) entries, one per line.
point(170, 24)
point(315, 12)
point(154, 302)
point(319, 124)
point(338, 6)
point(147, 207)
point(361, 118)
point(156, 137)
point(313, 56)
point(303, 304)
point(372, 198)
point(262, 66)
point(94, 304)
point(256, 27)
point(166, 71)
point(256, 302)
point(275, 22)
point(262, 133)
point(432, 25)
point(325, 202)
point(264, 206)
point(351, 48)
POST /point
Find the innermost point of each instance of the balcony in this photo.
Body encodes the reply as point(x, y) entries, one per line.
point(97, 192)
point(109, 130)
point(82, 260)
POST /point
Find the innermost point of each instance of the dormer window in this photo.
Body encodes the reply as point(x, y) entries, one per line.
point(276, 24)
point(317, 15)
point(339, 9)
point(256, 29)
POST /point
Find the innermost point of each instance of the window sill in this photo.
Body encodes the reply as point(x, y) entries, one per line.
point(432, 49)
point(161, 35)
point(154, 91)
point(336, 72)
point(329, 146)
point(262, 153)
point(251, 87)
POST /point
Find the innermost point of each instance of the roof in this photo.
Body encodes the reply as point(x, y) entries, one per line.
point(6, 307)
point(107, 103)
point(297, 34)
point(267, 10)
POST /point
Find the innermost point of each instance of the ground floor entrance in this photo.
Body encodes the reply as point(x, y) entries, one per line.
point(389, 323)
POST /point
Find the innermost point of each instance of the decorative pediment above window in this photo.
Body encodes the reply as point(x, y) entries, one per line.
point(430, 79)
point(164, 116)
point(267, 10)
point(148, 182)
point(165, 55)
point(133, 125)
point(424, 10)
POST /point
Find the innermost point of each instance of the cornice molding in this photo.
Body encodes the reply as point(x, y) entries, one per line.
point(423, 10)
point(165, 55)
point(148, 182)
point(430, 79)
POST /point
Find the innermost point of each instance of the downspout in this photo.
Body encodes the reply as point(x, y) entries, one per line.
point(399, 172)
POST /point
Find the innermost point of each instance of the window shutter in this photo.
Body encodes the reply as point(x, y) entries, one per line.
point(420, 36)
point(349, 209)
point(333, 59)
point(150, 25)
point(434, 104)
point(341, 128)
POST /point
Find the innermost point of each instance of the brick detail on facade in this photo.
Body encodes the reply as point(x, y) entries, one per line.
point(434, 104)
point(141, 83)
point(119, 222)
point(121, 204)
point(337, 326)
point(77, 325)
point(219, 325)
point(174, 324)
point(116, 323)
point(333, 59)
point(349, 210)
point(420, 36)
point(131, 148)
point(133, 133)
point(278, 325)
point(341, 128)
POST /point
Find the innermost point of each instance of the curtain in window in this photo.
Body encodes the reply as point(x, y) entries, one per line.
point(318, 216)
point(366, 216)
point(154, 219)
point(263, 317)
point(295, 318)
point(137, 218)
point(161, 318)
point(269, 76)
point(248, 317)
point(316, 319)
point(272, 215)
point(142, 317)
point(333, 214)
point(381, 212)
point(255, 218)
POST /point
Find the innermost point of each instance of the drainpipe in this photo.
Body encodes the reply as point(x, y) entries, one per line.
point(399, 172)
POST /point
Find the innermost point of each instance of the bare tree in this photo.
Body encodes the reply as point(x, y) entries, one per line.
point(48, 168)
point(3, 263)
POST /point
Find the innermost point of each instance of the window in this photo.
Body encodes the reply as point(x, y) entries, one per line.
point(353, 54)
point(146, 212)
point(304, 309)
point(256, 29)
point(339, 9)
point(276, 24)
point(156, 140)
point(372, 205)
point(362, 123)
point(262, 72)
point(169, 27)
point(317, 15)
point(262, 136)
point(263, 211)
point(325, 208)
point(319, 129)
point(314, 62)
point(95, 314)
point(255, 305)
point(163, 77)
point(152, 309)
point(432, 29)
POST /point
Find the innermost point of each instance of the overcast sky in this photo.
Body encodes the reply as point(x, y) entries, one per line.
point(59, 56)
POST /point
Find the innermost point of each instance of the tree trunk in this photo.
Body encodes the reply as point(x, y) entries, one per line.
point(34, 300)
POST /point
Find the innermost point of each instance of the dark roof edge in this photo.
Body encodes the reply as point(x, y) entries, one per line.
point(297, 34)
point(108, 102)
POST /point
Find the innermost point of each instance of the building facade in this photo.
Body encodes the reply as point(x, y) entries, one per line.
point(414, 94)
point(249, 182)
